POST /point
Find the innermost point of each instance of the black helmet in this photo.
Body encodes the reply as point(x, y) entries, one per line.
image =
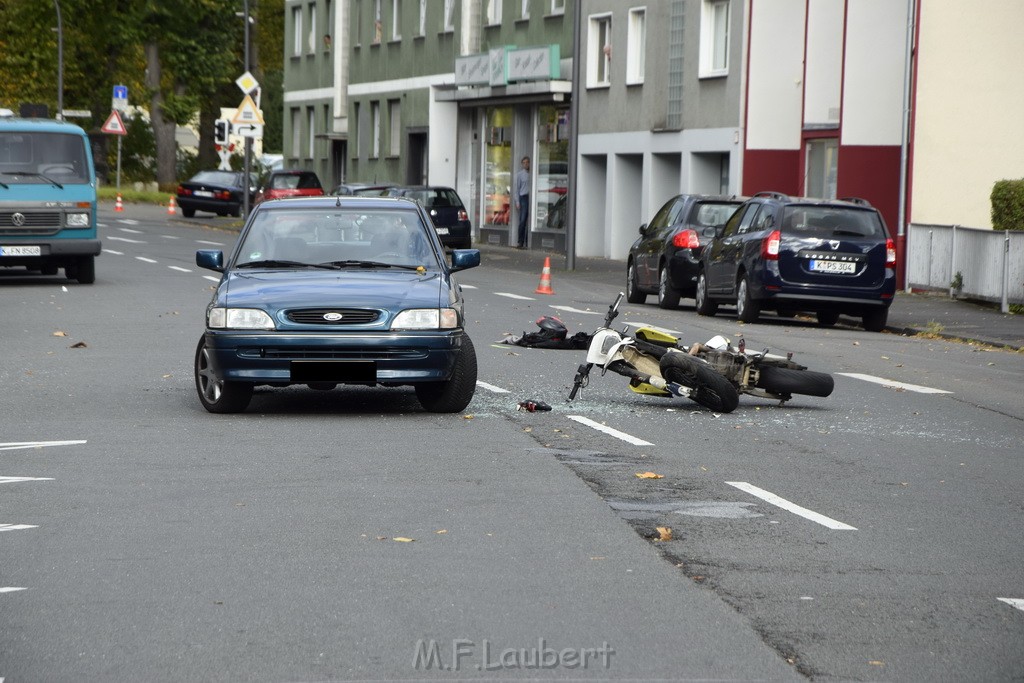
point(552, 328)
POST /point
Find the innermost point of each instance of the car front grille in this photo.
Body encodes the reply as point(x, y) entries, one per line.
point(330, 316)
point(30, 222)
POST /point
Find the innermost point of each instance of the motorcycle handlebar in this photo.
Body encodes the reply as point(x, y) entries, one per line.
point(613, 310)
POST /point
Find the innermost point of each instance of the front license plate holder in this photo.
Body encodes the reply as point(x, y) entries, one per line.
point(333, 371)
point(20, 250)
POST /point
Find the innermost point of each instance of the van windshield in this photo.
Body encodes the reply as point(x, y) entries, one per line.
point(33, 158)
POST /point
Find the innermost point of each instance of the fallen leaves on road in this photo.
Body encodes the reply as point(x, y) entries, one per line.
point(649, 475)
point(664, 533)
point(59, 333)
point(79, 345)
point(403, 539)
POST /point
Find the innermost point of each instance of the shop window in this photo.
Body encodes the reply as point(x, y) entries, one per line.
point(498, 165)
point(551, 169)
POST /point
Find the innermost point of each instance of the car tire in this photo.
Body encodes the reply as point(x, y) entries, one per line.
point(827, 318)
point(712, 390)
point(747, 310)
point(875, 321)
point(705, 306)
point(188, 213)
point(85, 270)
point(668, 296)
point(790, 381)
point(217, 395)
point(633, 293)
point(455, 394)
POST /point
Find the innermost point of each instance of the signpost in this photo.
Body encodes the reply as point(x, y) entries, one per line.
point(248, 121)
point(115, 126)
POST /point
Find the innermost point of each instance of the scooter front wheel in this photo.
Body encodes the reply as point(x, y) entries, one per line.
point(711, 390)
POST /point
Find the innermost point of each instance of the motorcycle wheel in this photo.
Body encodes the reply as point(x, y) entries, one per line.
point(712, 390)
point(789, 381)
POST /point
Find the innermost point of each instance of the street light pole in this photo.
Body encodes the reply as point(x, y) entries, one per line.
point(60, 63)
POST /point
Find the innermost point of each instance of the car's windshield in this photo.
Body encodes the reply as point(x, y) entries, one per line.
point(32, 157)
point(831, 221)
point(295, 237)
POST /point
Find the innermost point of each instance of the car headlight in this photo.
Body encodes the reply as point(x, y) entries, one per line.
point(426, 319)
point(239, 319)
point(77, 220)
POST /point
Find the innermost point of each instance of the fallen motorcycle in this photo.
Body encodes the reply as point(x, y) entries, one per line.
point(712, 374)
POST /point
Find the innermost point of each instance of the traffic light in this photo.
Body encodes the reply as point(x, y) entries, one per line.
point(221, 130)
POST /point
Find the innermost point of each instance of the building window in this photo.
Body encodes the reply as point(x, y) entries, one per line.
point(358, 147)
point(297, 31)
point(311, 113)
point(493, 16)
point(524, 12)
point(599, 44)
point(378, 25)
point(449, 15)
point(558, 6)
point(312, 28)
point(396, 19)
point(375, 127)
point(296, 131)
point(714, 38)
point(822, 168)
point(636, 45)
point(423, 18)
point(394, 127)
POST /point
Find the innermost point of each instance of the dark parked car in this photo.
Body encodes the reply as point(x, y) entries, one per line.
point(665, 258)
point(446, 210)
point(281, 184)
point(363, 189)
point(336, 290)
point(219, 192)
point(791, 254)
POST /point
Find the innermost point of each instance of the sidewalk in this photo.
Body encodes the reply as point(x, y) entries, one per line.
point(930, 313)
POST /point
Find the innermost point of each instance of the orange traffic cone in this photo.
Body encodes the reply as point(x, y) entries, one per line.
point(118, 206)
point(545, 278)
point(171, 206)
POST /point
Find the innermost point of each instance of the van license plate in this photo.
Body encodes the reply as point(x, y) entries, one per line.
point(833, 266)
point(20, 251)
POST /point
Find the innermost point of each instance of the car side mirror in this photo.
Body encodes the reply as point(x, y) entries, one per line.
point(643, 229)
point(463, 259)
point(211, 259)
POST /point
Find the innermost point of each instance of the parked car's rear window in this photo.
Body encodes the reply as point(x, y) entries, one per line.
point(216, 178)
point(831, 221)
point(711, 214)
point(435, 197)
point(292, 181)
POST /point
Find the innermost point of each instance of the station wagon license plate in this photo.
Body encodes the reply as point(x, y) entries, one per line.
point(20, 251)
point(441, 231)
point(833, 266)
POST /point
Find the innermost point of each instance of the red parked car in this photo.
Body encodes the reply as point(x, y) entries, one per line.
point(281, 184)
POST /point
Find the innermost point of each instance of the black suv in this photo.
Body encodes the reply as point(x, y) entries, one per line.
point(792, 254)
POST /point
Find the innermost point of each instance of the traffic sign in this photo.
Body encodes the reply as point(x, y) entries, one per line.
point(119, 101)
point(249, 130)
point(114, 124)
point(247, 83)
point(247, 113)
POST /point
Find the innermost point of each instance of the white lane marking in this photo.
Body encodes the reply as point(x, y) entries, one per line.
point(570, 309)
point(491, 387)
point(17, 527)
point(15, 445)
point(134, 232)
point(778, 501)
point(514, 296)
point(894, 384)
point(170, 237)
point(216, 244)
point(11, 589)
point(147, 260)
point(15, 480)
point(124, 239)
point(467, 286)
point(1013, 602)
point(609, 431)
point(210, 277)
point(115, 253)
point(179, 268)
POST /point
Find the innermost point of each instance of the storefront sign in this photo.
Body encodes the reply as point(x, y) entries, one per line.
point(498, 59)
point(473, 70)
point(534, 63)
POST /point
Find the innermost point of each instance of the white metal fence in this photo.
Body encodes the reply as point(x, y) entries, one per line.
point(990, 263)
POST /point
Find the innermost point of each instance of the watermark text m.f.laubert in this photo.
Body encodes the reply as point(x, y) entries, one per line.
point(486, 656)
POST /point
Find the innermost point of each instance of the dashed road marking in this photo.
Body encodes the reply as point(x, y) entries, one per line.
point(214, 244)
point(628, 438)
point(124, 239)
point(17, 527)
point(491, 387)
point(570, 309)
point(147, 260)
point(134, 232)
point(11, 589)
point(15, 480)
point(1013, 602)
point(778, 501)
point(128, 221)
point(211, 278)
point(170, 237)
point(894, 384)
point(115, 253)
point(514, 296)
point(467, 286)
point(16, 445)
point(180, 269)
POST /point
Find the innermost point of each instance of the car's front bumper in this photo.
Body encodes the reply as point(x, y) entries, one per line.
point(263, 357)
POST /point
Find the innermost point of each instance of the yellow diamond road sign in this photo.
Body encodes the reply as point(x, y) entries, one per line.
point(247, 113)
point(247, 83)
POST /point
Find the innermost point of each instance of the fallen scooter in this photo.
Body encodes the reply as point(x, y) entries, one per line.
point(712, 374)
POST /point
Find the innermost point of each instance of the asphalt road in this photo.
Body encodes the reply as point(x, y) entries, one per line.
point(150, 540)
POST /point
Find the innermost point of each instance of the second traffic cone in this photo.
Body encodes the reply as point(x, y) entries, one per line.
point(545, 278)
point(171, 207)
point(118, 206)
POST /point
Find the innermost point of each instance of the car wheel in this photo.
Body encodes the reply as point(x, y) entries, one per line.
point(217, 395)
point(827, 318)
point(875, 320)
point(668, 296)
point(747, 310)
point(705, 306)
point(85, 270)
point(455, 394)
point(188, 213)
point(633, 293)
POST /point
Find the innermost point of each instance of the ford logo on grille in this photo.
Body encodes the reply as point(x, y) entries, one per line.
point(333, 317)
point(18, 219)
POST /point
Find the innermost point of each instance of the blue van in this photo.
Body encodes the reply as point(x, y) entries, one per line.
point(47, 198)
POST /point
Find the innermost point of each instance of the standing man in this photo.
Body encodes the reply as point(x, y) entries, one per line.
point(522, 192)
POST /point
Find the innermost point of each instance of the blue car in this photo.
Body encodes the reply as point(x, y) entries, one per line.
point(336, 290)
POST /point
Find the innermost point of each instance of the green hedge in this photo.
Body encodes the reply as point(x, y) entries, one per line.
point(1008, 205)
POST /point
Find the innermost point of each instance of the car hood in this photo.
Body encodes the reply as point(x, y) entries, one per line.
point(272, 290)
